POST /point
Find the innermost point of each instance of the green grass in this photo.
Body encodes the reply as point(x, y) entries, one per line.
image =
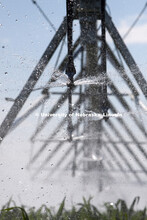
point(82, 211)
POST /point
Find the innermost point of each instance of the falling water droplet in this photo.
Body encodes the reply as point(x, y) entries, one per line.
point(8, 14)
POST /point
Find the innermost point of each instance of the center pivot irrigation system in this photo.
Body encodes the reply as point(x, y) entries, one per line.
point(103, 144)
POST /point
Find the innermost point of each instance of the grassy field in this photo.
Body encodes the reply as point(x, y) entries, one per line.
point(82, 211)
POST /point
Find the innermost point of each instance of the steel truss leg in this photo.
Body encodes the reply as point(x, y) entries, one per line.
point(27, 89)
point(117, 149)
point(126, 55)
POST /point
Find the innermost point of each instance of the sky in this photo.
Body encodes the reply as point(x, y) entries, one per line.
point(24, 36)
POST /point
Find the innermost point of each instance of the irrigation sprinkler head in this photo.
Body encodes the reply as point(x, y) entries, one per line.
point(104, 110)
point(70, 71)
point(71, 84)
point(105, 116)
